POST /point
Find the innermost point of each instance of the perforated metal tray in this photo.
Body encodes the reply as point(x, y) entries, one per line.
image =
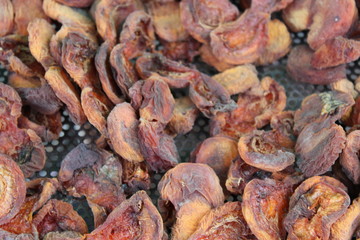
point(71, 134)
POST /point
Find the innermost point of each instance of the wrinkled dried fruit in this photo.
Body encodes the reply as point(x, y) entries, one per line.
point(319, 145)
point(12, 188)
point(349, 159)
point(135, 218)
point(67, 235)
point(190, 181)
point(300, 69)
point(158, 148)
point(265, 204)
point(218, 153)
point(243, 40)
point(224, 222)
point(345, 227)
point(96, 107)
point(315, 205)
point(135, 95)
point(208, 57)
point(321, 106)
point(185, 50)
point(255, 109)
point(259, 149)
point(278, 45)
point(122, 128)
point(346, 86)
point(57, 215)
point(43, 189)
point(102, 64)
point(199, 18)
point(238, 79)
point(6, 17)
point(335, 52)
point(282, 125)
point(158, 103)
point(76, 3)
point(11, 236)
point(297, 15)
point(184, 116)
point(136, 176)
point(66, 92)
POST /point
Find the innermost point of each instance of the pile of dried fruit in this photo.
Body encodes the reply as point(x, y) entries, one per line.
point(117, 64)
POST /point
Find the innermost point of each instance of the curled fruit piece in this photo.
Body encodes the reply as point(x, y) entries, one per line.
point(319, 145)
point(345, 227)
point(122, 128)
point(12, 188)
point(76, 3)
point(316, 204)
point(57, 215)
point(282, 125)
point(67, 235)
point(265, 204)
point(224, 222)
point(6, 17)
point(259, 149)
point(300, 68)
point(326, 105)
point(135, 218)
point(349, 158)
point(136, 176)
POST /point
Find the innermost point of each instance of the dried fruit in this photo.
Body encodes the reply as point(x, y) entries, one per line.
point(76, 3)
point(208, 57)
point(57, 215)
point(218, 153)
point(6, 17)
point(346, 86)
point(349, 159)
point(184, 51)
point(300, 68)
point(282, 125)
point(346, 225)
point(11, 236)
point(297, 15)
point(184, 116)
point(259, 149)
point(136, 176)
point(157, 147)
point(315, 205)
point(13, 188)
point(238, 79)
point(135, 218)
point(329, 106)
point(319, 145)
point(122, 128)
point(224, 222)
point(66, 92)
point(67, 235)
point(265, 204)
point(199, 18)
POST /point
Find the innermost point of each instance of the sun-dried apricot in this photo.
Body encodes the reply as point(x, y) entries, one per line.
point(76, 3)
point(300, 69)
point(184, 51)
point(282, 125)
point(224, 222)
point(122, 128)
point(346, 86)
point(6, 17)
point(209, 58)
point(315, 205)
point(136, 176)
point(135, 218)
point(11, 236)
point(349, 159)
point(67, 235)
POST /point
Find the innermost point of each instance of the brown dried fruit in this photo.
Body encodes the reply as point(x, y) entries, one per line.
point(265, 204)
point(300, 68)
point(6, 17)
point(349, 159)
point(158, 103)
point(102, 64)
point(57, 215)
point(259, 149)
point(43, 189)
point(136, 176)
point(315, 205)
point(11, 236)
point(297, 15)
point(345, 227)
point(243, 40)
point(218, 153)
point(209, 58)
point(321, 106)
point(110, 14)
point(224, 222)
point(25, 12)
point(278, 44)
point(13, 188)
point(282, 125)
point(16, 57)
point(184, 116)
point(189, 181)
point(122, 128)
point(93, 173)
point(238, 79)
point(76, 3)
point(199, 18)
point(255, 109)
point(345, 86)
point(96, 107)
point(66, 92)
point(135, 218)
point(135, 95)
point(158, 148)
point(335, 52)
point(67, 235)
point(185, 50)
point(319, 145)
